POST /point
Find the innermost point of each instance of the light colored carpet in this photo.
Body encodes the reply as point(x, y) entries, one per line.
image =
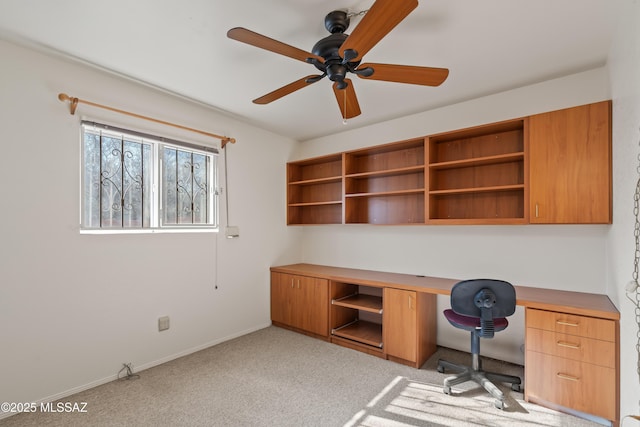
point(274, 377)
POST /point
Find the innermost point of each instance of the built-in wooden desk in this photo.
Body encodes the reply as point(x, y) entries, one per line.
point(571, 339)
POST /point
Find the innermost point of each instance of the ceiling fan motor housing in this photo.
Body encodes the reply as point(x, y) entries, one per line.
point(336, 23)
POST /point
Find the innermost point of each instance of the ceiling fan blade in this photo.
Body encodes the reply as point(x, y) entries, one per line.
point(286, 90)
point(347, 100)
point(427, 76)
point(258, 40)
point(381, 18)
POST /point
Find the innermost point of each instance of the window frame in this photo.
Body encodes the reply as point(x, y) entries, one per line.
point(157, 143)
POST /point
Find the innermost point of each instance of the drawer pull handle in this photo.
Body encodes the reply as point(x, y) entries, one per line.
point(568, 344)
point(560, 322)
point(567, 377)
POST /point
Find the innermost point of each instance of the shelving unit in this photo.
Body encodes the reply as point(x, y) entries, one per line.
point(477, 175)
point(314, 191)
point(386, 184)
point(549, 168)
point(356, 315)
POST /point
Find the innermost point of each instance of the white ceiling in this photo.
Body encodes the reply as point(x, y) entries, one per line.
point(181, 46)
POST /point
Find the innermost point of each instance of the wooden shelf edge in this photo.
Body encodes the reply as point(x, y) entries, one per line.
point(386, 193)
point(477, 221)
point(326, 180)
point(331, 202)
point(370, 303)
point(396, 171)
point(361, 331)
point(477, 190)
point(354, 345)
point(478, 161)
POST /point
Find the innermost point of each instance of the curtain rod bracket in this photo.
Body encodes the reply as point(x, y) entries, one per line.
point(73, 104)
point(227, 140)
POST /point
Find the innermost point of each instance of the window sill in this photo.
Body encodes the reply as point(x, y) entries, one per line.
point(149, 230)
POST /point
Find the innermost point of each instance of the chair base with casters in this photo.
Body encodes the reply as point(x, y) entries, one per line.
point(475, 372)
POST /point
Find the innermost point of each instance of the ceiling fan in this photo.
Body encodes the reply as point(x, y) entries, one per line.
point(339, 54)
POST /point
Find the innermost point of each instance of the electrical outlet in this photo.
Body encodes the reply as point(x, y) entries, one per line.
point(163, 323)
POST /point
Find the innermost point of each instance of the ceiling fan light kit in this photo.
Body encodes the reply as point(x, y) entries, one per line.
point(339, 54)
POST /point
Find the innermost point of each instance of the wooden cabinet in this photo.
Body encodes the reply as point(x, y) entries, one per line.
point(570, 165)
point(300, 302)
point(477, 175)
point(314, 191)
point(572, 361)
point(409, 326)
point(572, 357)
point(395, 324)
point(385, 184)
point(550, 168)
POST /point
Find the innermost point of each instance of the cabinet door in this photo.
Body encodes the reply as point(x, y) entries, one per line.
point(300, 302)
point(312, 305)
point(400, 324)
point(570, 165)
point(282, 298)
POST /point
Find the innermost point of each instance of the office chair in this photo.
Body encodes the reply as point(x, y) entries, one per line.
point(480, 306)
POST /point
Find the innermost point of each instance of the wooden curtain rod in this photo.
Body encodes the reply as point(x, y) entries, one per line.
point(73, 104)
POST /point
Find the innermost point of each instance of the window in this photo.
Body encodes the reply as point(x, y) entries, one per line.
point(133, 181)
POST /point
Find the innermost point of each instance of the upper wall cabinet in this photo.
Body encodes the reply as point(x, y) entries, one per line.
point(570, 165)
point(551, 168)
point(314, 191)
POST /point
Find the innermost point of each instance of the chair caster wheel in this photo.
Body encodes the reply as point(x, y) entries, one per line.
point(441, 369)
point(499, 404)
point(516, 387)
point(446, 390)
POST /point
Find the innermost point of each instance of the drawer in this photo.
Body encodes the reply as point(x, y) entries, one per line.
point(571, 324)
point(580, 386)
point(581, 349)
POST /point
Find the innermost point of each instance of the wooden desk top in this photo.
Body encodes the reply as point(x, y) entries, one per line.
point(581, 303)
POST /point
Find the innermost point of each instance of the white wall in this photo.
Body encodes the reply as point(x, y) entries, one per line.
point(624, 64)
point(74, 307)
point(560, 257)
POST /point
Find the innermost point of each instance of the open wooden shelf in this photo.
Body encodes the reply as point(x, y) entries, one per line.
point(361, 331)
point(318, 181)
point(386, 193)
point(478, 189)
point(547, 168)
point(479, 161)
point(314, 191)
point(477, 175)
point(387, 172)
point(370, 303)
